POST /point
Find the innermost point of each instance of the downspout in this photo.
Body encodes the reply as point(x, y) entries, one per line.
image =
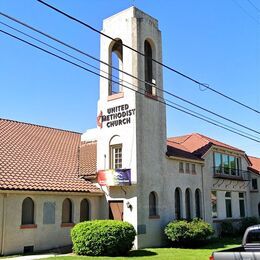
point(203, 193)
point(3, 224)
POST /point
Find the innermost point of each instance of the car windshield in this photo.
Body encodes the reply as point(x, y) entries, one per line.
point(253, 237)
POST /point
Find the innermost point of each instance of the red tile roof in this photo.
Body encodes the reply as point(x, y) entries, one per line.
point(178, 150)
point(255, 167)
point(35, 157)
point(88, 159)
point(199, 144)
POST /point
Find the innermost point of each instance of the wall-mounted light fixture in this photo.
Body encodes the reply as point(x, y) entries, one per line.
point(129, 205)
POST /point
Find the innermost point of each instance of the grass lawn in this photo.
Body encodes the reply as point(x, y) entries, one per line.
point(168, 253)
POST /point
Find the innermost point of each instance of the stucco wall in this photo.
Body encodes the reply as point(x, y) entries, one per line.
point(255, 195)
point(45, 236)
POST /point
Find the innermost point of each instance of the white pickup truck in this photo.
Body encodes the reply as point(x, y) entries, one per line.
point(249, 250)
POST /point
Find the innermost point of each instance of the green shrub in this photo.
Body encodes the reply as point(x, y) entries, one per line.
point(102, 237)
point(247, 222)
point(184, 233)
point(227, 228)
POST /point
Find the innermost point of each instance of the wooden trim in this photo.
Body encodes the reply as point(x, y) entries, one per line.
point(115, 96)
point(67, 224)
point(28, 226)
point(148, 95)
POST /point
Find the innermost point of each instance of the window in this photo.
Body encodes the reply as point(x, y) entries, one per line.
point(181, 167)
point(116, 156)
point(254, 184)
point(84, 210)
point(241, 196)
point(148, 67)
point(198, 203)
point(153, 204)
point(188, 203)
point(193, 168)
point(67, 211)
point(227, 164)
point(116, 61)
point(218, 162)
point(187, 167)
point(177, 197)
point(214, 207)
point(259, 209)
point(228, 205)
point(28, 211)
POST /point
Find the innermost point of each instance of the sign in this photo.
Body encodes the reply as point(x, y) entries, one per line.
point(116, 116)
point(111, 177)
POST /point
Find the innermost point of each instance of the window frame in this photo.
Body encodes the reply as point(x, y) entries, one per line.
point(113, 163)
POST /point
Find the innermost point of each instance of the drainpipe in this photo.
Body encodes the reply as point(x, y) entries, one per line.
point(3, 224)
point(203, 192)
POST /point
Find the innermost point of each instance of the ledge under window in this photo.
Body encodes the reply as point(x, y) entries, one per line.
point(67, 224)
point(154, 217)
point(28, 226)
point(115, 96)
point(149, 95)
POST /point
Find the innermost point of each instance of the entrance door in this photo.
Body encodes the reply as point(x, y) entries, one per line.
point(116, 210)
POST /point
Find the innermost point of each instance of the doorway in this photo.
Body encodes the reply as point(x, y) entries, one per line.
point(116, 210)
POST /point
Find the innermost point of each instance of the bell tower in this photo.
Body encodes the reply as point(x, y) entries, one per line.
point(132, 124)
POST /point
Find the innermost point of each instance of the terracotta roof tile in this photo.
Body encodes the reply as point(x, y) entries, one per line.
point(199, 144)
point(255, 167)
point(35, 157)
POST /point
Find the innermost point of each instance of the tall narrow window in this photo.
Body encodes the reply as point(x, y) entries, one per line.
point(225, 159)
point(259, 209)
point(228, 205)
point(254, 184)
point(188, 203)
point(218, 162)
point(28, 211)
point(117, 64)
point(232, 165)
point(67, 211)
point(177, 197)
point(198, 203)
point(116, 156)
point(148, 67)
point(242, 211)
point(153, 204)
point(193, 168)
point(181, 169)
point(84, 210)
point(214, 207)
point(187, 167)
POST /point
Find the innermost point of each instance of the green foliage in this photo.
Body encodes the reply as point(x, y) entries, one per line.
point(228, 229)
point(102, 237)
point(186, 233)
point(247, 222)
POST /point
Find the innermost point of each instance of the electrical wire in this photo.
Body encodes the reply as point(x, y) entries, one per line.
point(107, 64)
point(141, 93)
point(142, 54)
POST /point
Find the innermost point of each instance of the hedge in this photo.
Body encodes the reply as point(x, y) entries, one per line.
point(102, 238)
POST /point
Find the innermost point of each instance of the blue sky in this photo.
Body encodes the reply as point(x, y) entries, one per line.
point(216, 42)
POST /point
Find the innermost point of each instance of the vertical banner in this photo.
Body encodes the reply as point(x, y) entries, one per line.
point(118, 177)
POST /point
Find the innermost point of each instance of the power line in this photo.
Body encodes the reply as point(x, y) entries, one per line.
point(97, 74)
point(246, 12)
point(158, 62)
point(251, 3)
point(96, 59)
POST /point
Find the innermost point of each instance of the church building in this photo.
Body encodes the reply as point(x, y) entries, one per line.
point(126, 168)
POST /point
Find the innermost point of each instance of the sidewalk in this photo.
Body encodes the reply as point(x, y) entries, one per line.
point(30, 257)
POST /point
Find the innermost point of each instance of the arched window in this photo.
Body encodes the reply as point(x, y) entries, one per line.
point(259, 209)
point(67, 211)
point(198, 203)
point(148, 66)
point(116, 61)
point(28, 211)
point(153, 211)
point(84, 210)
point(188, 203)
point(177, 197)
